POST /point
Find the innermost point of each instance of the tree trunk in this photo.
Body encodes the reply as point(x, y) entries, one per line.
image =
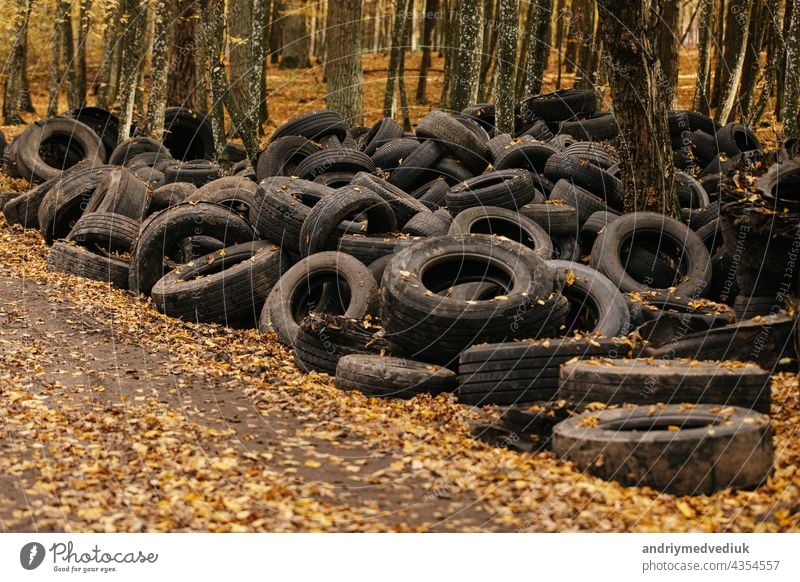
point(466, 68)
point(296, 46)
point(74, 99)
point(719, 44)
point(213, 27)
point(506, 64)
point(153, 123)
point(668, 39)
point(134, 15)
point(587, 48)
point(261, 12)
point(791, 96)
point(14, 90)
point(56, 55)
point(276, 31)
point(738, 25)
point(240, 30)
point(183, 84)
point(395, 54)
point(103, 83)
point(775, 11)
point(705, 26)
point(752, 59)
point(401, 68)
point(343, 62)
point(640, 106)
point(488, 48)
point(431, 8)
point(84, 23)
point(538, 45)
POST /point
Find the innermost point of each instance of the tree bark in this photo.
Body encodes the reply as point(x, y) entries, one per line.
point(343, 62)
point(134, 15)
point(538, 45)
point(776, 10)
point(705, 26)
point(153, 123)
point(429, 25)
point(466, 68)
point(401, 69)
point(506, 64)
point(183, 84)
point(668, 39)
point(395, 54)
point(14, 89)
point(640, 106)
point(791, 95)
point(296, 46)
point(103, 83)
point(737, 29)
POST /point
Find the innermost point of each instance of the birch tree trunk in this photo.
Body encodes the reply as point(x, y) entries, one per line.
point(705, 25)
point(134, 17)
point(640, 105)
point(153, 123)
point(466, 68)
point(791, 94)
point(343, 62)
point(538, 45)
point(736, 33)
point(508, 15)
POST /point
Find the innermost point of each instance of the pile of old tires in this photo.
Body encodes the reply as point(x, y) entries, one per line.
point(457, 258)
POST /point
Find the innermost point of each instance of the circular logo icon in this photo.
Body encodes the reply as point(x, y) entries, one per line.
point(31, 555)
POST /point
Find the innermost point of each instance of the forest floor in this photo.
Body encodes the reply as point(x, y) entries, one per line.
point(117, 418)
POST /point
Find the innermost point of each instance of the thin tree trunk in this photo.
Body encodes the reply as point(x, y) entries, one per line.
point(466, 68)
point(668, 39)
point(103, 84)
point(296, 46)
point(343, 62)
point(395, 54)
point(719, 45)
point(640, 106)
point(56, 55)
point(240, 29)
point(70, 78)
point(508, 15)
point(429, 25)
point(276, 30)
point(261, 12)
point(488, 48)
point(791, 96)
point(759, 23)
point(739, 26)
point(538, 45)
point(705, 26)
point(153, 123)
point(213, 22)
point(84, 24)
point(401, 69)
point(587, 48)
point(184, 86)
point(13, 90)
point(776, 10)
point(134, 15)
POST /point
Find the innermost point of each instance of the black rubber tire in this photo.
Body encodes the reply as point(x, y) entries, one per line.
point(436, 328)
point(133, 147)
point(241, 201)
point(370, 248)
point(538, 130)
point(319, 230)
point(591, 294)
point(404, 206)
point(188, 134)
point(503, 222)
point(384, 131)
point(288, 302)
point(283, 155)
point(155, 160)
point(510, 189)
point(378, 266)
point(597, 181)
point(558, 220)
point(514, 372)
point(720, 448)
point(286, 203)
point(120, 192)
point(593, 226)
point(160, 235)
point(697, 219)
point(24, 208)
point(483, 114)
point(562, 141)
point(417, 166)
point(112, 233)
point(584, 202)
point(75, 260)
point(704, 147)
point(65, 201)
point(228, 286)
point(197, 172)
point(597, 154)
point(429, 224)
point(457, 138)
point(104, 123)
point(72, 142)
point(749, 307)
point(690, 191)
point(597, 128)
point(649, 268)
point(562, 104)
point(521, 153)
point(608, 246)
point(392, 377)
point(169, 195)
point(335, 179)
point(432, 194)
point(566, 248)
point(389, 155)
point(334, 160)
point(313, 125)
point(735, 138)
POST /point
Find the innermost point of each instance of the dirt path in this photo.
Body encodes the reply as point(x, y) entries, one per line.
point(115, 418)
